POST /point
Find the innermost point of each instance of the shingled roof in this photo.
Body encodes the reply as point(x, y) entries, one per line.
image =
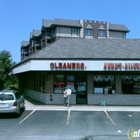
point(118, 27)
point(61, 22)
point(76, 23)
point(90, 49)
point(66, 22)
point(24, 43)
point(47, 23)
point(36, 33)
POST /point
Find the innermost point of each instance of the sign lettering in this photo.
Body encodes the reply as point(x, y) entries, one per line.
point(67, 65)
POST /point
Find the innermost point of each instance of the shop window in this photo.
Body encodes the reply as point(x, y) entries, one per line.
point(70, 78)
point(81, 86)
point(104, 84)
point(59, 83)
point(131, 84)
point(59, 87)
point(39, 84)
point(36, 82)
point(59, 78)
point(62, 81)
point(73, 82)
point(81, 78)
point(42, 84)
point(70, 84)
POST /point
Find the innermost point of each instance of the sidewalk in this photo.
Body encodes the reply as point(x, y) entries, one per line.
point(32, 104)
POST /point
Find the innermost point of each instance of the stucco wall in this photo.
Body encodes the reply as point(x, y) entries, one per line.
point(93, 99)
point(57, 99)
point(66, 32)
point(116, 34)
point(115, 99)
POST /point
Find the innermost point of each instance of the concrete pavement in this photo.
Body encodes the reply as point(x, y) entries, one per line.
point(32, 104)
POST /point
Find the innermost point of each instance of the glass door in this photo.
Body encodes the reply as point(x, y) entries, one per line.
point(81, 93)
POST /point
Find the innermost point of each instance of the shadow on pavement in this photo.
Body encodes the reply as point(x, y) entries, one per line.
point(33, 101)
point(10, 115)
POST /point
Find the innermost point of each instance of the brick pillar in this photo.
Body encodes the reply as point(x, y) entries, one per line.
point(90, 84)
point(118, 84)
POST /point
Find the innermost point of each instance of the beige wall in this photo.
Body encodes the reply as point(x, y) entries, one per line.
point(65, 32)
point(26, 85)
point(116, 34)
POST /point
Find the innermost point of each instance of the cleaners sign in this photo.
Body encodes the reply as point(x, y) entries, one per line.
point(65, 66)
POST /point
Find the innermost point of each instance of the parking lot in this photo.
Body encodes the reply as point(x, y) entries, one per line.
point(68, 125)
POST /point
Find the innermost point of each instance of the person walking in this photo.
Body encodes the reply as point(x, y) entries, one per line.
point(65, 96)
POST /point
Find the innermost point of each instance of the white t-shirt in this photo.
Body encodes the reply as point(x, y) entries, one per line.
point(65, 93)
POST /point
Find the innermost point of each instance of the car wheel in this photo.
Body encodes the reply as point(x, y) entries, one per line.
point(23, 107)
point(18, 112)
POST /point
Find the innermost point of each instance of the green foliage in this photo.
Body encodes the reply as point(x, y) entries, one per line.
point(6, 79)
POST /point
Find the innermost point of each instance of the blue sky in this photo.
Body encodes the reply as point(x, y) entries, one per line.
point(19, 17)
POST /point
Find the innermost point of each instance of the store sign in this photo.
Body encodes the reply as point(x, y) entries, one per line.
point(70, 83)
point(120, 66)
point(63, 83)
point(59, 83)
point(60, 65)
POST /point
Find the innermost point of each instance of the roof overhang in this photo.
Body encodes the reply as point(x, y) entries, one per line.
point(77, 65)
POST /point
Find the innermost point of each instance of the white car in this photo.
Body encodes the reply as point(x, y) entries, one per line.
point(11, 102)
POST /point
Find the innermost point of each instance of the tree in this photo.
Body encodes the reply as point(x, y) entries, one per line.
point(6, 64)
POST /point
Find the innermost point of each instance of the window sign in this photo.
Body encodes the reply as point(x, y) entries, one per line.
point(70, 85)
point(98, 90)
point(64, 81)
point(70, 78)
point(104, 84)
point(136, 78)
point(81, 86)
point(59, 83)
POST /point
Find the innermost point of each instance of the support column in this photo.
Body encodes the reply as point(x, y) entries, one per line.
point(90, 84)
point(49, 83)
point(118, 84)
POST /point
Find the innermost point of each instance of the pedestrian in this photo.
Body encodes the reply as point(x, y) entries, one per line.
point(65, 96)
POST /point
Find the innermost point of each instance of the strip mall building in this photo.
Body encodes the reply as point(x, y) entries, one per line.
point(94, 69)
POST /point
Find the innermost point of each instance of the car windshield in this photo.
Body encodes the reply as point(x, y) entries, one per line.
point(6, 97)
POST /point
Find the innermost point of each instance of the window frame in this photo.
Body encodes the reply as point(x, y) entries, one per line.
point(89, 32)
point(39, 83)
point(74, 31)
point(101, 33)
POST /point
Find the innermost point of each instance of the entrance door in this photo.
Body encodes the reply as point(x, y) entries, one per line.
point(127, 87)
point(81, 93)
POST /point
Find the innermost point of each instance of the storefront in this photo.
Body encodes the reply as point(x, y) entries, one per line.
point(116, 82)
point(92, 75)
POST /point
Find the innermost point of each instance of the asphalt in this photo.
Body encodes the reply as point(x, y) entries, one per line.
point(31, 104)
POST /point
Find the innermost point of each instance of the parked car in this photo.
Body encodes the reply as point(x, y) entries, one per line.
point(11, 102)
